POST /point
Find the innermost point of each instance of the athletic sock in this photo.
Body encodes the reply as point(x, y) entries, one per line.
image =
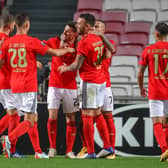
point(81, 132)
point(21, 129)
point(111, 128)
point(103, 130)
point(160, 136)
point(4, 123)
point(13, 123)
point(52, 132)
point(88, 130)
point(70, 135)
point(165, 126)
point(34, 137)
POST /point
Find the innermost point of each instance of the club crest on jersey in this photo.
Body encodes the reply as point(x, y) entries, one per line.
point(42, 43)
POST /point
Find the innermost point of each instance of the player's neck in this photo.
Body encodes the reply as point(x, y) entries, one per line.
point(21, 31)
point(164, 39)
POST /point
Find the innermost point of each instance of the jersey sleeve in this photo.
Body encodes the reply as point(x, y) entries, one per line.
point(143, 59)
point(52, 42)
point(3, 52)
point(39, 47)
point(82, 48)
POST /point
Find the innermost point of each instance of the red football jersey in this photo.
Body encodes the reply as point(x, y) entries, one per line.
point(106, 64)
point(4, 73)
point(67, 79)
point(20, 54)
point(156, 58)
point(92, 48)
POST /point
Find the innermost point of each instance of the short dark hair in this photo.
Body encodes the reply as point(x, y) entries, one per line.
point(72, 24)
point(162, 28)
point(89, 18)
point(6, 20)
point(99, 20)
point(20, 19)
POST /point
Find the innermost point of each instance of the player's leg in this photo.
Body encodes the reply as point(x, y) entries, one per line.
point(53, 99)
point(70, 107)
point(157, 114)
point(107, 113)
point(83, 150)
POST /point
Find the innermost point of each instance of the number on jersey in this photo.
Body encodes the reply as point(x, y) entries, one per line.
point(21, 53)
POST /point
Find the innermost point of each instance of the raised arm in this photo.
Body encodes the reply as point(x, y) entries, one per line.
point(74, 66)
point(60, 52)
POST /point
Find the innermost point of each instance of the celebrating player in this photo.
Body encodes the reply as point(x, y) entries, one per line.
point(19, 53)
point(156, 58)
point(62, 87)
point(89, 62)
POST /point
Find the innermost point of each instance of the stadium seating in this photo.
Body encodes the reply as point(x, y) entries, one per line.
point(163, 5)
point(114, 16)
point(145, 5)
point(130, 50)
point(134, 39)
point(117, 5)
point(163, 16)
point(89, 5)
point(139, 16)
point(138, 27)
point(114, 27)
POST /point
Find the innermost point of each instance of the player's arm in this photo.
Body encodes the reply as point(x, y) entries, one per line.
point(108, 44)
point(60, 52)
point(74, 66)
point(39, 65)
point(143, 91)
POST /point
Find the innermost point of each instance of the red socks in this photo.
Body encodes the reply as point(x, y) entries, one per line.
point(111, 128)
point(4, 123)
point(34, 137)
point(21, 129)
point(14, 120)
point(52, 132)
point(88, 130)
point(160, 136)
point(70, 135)
point(166, 131)
point(103, 130)
point(82, 134)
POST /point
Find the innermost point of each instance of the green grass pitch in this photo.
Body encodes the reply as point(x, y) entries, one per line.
point(61, 162)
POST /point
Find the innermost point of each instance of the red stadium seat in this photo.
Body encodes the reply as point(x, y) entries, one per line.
point(114, 27)
point(76, 15)
point(130, 50)
point(114, 16)
point(134, 39)
point(138, 27)
point(114, 37)
point(96, 5)
point(2, 3)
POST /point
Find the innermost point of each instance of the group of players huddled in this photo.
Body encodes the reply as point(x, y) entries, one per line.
point(82, 48)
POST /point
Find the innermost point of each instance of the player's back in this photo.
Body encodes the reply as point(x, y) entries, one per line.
point(157, 59)
point(21, 53)
point(92, 48)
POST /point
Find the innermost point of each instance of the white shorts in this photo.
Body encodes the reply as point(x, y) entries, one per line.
point(26, 102)
point(91, 95)
point(68, 96)
point(158, 108)
point(108, 100)
point(7, 99)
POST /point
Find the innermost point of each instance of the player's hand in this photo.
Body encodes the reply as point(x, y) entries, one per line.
point(144, 92)
point(70, 50)
point(62, 68)
point(39, 65)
